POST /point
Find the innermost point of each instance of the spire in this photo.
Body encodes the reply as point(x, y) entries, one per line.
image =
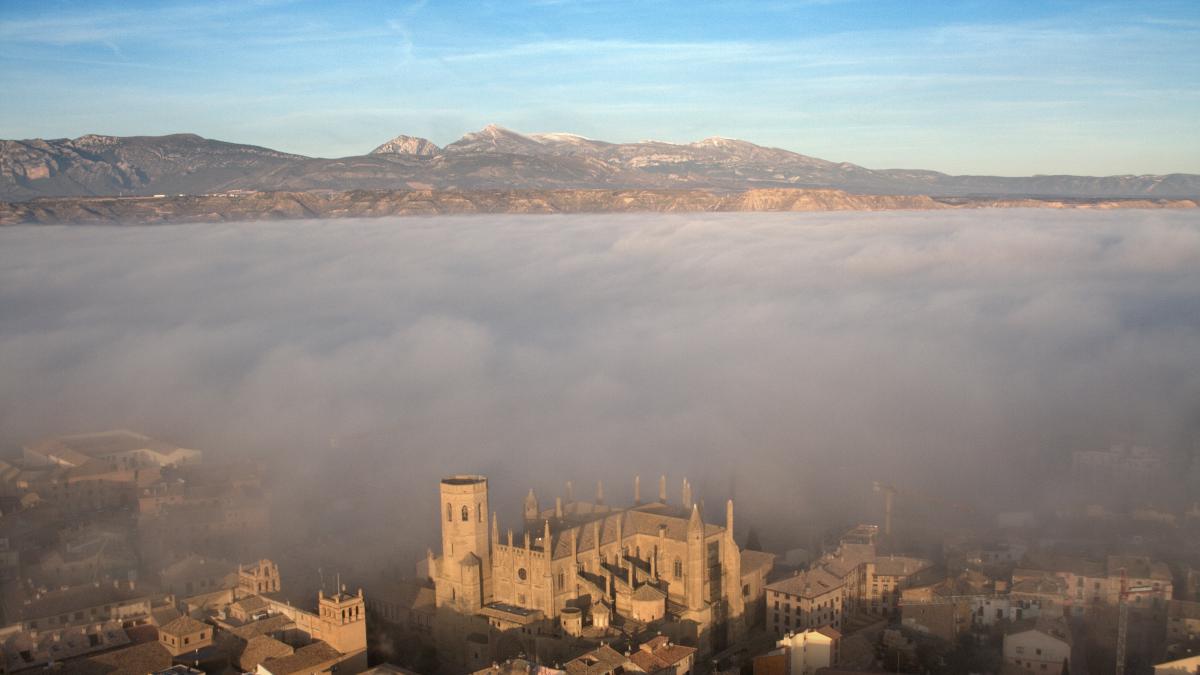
point(662, 488)
point(596, 545)
point(570, 492)
point(687, 494)
point(695, 522)
point(637, 490)
point(574, 548)
point(495, 530)
point(546, 539)
point(630, 570)
point(694, 577)
point(729, 518)
point(599, 492)
point(510, 537)
point(531, 506)
point(558, 512)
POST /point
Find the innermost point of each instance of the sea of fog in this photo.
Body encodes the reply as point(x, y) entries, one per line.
point(785, 359)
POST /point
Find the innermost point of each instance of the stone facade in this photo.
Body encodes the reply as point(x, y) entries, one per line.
point(652, 562)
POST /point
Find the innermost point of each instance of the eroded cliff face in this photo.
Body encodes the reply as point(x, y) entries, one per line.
point(254, 206)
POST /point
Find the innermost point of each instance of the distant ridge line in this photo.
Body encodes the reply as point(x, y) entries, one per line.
point(495, 158)
point(260, 206)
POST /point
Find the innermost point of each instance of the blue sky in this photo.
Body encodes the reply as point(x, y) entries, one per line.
point(964, 87)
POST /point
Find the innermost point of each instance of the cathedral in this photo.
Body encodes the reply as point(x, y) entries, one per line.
point(585, 569)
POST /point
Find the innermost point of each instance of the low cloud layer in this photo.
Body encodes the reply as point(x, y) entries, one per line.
point(787, 358)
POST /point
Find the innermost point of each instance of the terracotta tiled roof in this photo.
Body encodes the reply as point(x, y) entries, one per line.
point(599, 661)
point(302, 659)
point(810, 584)
point(271, 624)
point(658, 653)
point(260, 648)
point(184, 625)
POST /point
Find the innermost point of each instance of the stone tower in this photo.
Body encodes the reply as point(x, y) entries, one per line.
point(343, 621)
point(465, 569)
point(532, 512)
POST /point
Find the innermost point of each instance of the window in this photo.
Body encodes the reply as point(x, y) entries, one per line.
point(466, 513)
point(678, 568)
point(449, 514)
point(561, 581)
point(479, 513)
point(522, 574)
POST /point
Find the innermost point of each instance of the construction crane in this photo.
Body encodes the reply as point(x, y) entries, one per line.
point(1123, 617)
point(889, 493)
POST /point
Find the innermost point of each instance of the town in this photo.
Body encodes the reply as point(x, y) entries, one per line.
point(121, 553)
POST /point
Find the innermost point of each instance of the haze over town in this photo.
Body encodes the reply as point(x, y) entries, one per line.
point(776, 337)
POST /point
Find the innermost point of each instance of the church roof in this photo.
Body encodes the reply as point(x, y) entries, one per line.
point(648, 592)
point(645, 520)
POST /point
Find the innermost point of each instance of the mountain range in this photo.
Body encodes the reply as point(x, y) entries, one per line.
point(495, 158)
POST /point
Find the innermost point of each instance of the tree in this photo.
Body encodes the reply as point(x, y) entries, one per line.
point(752, 540)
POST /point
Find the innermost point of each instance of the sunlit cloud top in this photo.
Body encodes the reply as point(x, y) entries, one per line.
point(1006, 88)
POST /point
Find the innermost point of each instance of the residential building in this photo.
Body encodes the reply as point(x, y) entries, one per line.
point(1183, 621)
point(802, 653)
point(1185, 666)
point(1039, 646)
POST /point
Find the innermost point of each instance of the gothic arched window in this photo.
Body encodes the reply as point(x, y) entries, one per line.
point(678, 568)
point(466, 513)
point(449, 514)
point(560, 581)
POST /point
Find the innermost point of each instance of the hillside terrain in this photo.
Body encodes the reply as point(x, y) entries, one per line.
point(495, 158)
point(254, 206)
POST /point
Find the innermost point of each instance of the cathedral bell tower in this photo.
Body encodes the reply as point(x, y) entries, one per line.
point(464, 575)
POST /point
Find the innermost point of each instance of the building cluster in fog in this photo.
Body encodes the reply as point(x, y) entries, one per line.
point(116, 560)
point(586, 572)
point(117, 550)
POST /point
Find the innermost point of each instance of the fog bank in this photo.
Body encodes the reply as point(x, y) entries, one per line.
point(786, 358)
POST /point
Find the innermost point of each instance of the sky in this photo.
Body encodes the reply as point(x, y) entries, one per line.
point(786, 359)
point(1009, 88)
